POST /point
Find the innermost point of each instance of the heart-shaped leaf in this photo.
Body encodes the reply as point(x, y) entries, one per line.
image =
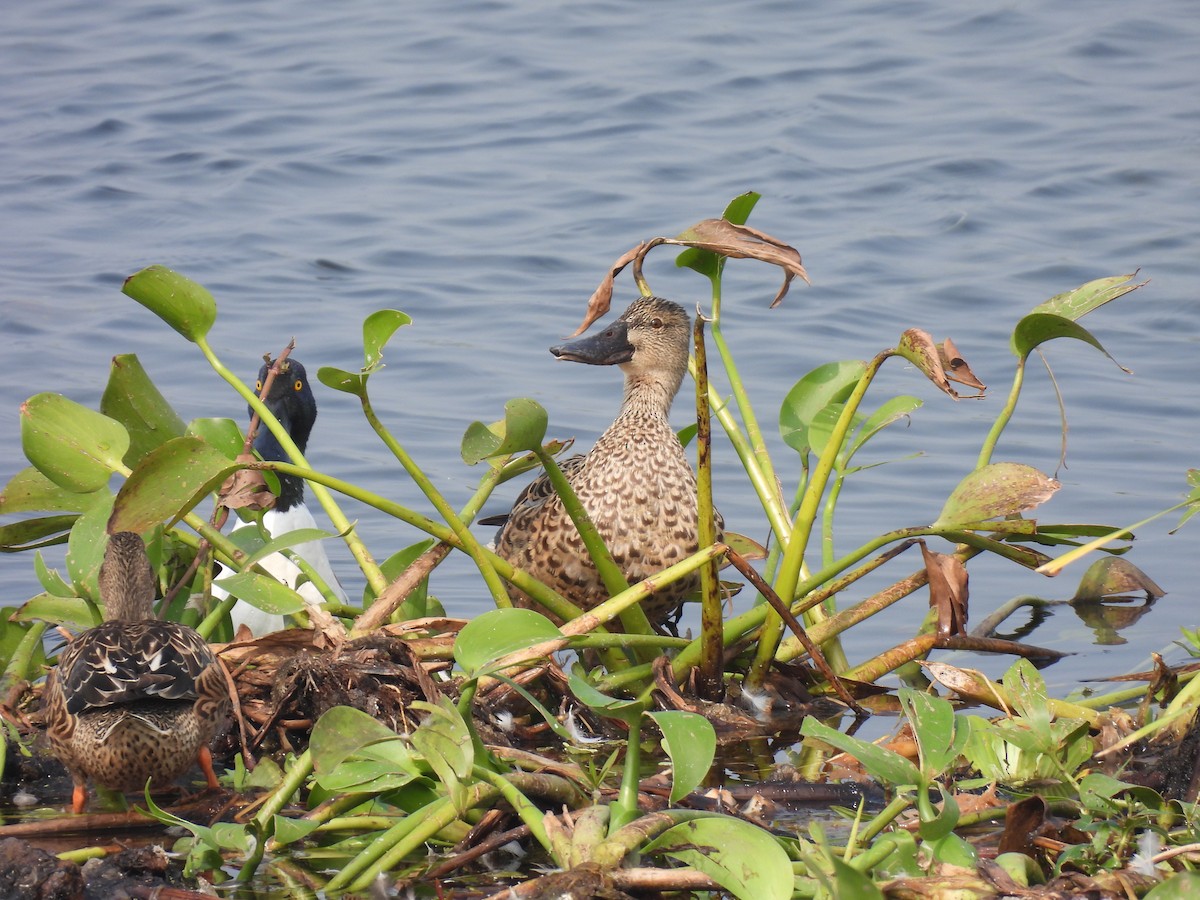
point(75, 447)
point(523, 429)
point(180, 302)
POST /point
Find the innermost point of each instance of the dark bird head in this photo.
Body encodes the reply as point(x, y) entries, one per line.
point(292, 402)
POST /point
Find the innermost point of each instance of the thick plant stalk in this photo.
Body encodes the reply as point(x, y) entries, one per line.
point(710, 683)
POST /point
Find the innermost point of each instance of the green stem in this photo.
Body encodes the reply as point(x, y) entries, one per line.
point(341, 524)
point(710, 684)
point(1006, 414)
point(625, 808)
point(467, 540)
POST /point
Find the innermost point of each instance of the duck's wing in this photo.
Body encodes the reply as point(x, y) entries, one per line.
point(537, 492)
point(128, 662)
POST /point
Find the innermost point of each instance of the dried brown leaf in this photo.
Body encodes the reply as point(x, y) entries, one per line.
point(601, 300)
point(246, 488)
point(956, 368)
point(947, 590)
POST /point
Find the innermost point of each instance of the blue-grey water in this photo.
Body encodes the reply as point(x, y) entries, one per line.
point(479, 166)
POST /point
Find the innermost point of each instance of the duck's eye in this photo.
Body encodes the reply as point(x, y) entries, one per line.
point(656, 323)
point(298, 384)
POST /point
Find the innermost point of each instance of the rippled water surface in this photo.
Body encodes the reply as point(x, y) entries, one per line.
point(479, 165)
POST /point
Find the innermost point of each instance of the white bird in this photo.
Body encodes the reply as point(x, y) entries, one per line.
point(292, 402)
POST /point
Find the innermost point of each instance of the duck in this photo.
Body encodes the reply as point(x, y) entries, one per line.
point(293, 403)
point(134, 698)
point(636, 482)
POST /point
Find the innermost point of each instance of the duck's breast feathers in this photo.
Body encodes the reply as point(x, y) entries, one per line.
point(121, 662)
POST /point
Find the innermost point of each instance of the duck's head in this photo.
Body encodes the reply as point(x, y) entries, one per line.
point(291, 401)
point(126, 580)
point(650, 342)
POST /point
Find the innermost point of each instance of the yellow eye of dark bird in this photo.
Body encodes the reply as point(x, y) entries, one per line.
point(299, 384)
point(258, 385)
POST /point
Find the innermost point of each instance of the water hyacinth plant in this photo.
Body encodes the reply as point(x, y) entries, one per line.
point(364, 787)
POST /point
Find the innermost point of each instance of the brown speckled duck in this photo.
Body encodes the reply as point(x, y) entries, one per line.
point(135, 697)
point(636, 482)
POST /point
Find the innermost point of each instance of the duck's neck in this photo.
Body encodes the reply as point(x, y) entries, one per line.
point(650, 393)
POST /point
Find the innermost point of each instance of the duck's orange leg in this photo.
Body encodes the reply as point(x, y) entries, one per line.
point(78, 799)
point(204, 757)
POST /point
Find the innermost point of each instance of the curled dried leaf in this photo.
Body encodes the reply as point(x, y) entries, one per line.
point(1113, 576)
point(917, 347)
point(947, 590)
point(956, 368)
point(246, 488)
point(718, 236)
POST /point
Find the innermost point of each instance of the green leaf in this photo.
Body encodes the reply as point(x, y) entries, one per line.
point(168, 483)
point(1179, 886)
point(882, 764)
point(1085, 298)
point(999, 489)
point(416, 603)
point(224, 435)
point(75, 447)
point(743, 858)
point(892, 411)
point(824, 387)
point(523, 429)
point(934, 727)
point(497, 633)
point(617, 707)
point(180, 302)
point(378, 329)
point(706, 262)
point(131, 398)
point(341, 380)
point(285, 541)
point(343, 732)
point(85, 550)
point(72, 612)
point(286, 830)
point(445, 742)
point(50, 579)
point(691, 744)
point(263, 592)
point(32, 534)
point(31, 491)
point(849, 882)
point(1036, 329)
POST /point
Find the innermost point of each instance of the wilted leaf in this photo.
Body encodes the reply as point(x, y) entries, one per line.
point(719, 236)
point(180, 302)
point(706, 262)
point(918, 348)
point(999, 489)
point(1111, 576)
point(246, 488)
point(947, 590)
point(956, 367)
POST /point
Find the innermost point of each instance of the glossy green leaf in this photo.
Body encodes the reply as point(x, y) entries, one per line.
point(935, 728)
point(617, 707)
point(849, 882)
point(824, 387)
point(49, 578)
point(85, 550)
point(341, 733)
point(71, 612)
point(180, 302)
point(287, 830)
point(168, 483)
point(224, 435)
point(691, 744)
point(1036, 329)
point(999, 489)
point(286, 541)
point(31, 534)
point(378, 329)
point(523, 429)
point(887, 414)
point(882, 764)
point(952, 849)
point(706, 262)
point(1085, 298)
point(263, 592)
point(31, 491)
point(75, 447)
point(497, 633)
point(743, 858)
point(132, 399)
point(416, 604)
point(340, 380)
point(1178, 886)
point(444, 740)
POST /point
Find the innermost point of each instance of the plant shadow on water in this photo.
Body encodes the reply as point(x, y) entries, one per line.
point(379, 732)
